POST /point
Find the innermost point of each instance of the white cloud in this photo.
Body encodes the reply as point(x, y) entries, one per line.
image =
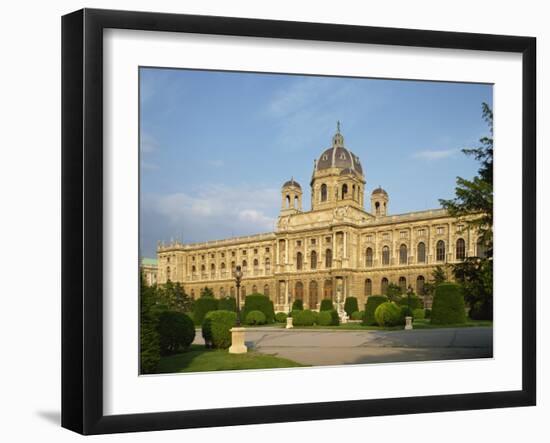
point(435, 154)
point(215, 211)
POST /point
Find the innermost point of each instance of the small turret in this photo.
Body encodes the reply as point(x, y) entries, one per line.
point(379, 202)
point(291, 201)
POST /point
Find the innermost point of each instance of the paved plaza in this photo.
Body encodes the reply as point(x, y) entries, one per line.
point(330, 347)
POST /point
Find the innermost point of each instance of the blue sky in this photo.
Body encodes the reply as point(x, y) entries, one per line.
point(216, 146)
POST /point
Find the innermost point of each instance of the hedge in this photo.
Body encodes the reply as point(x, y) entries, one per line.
point(351, 305)
point(303, 318)
point(427, 313)
point(216, 328)
point(280, 317)
point(298, 305)
point(326, 305)
point(259, 302)
point(328, 318)
point(448, 305)
point(227, 304)
point(176, 332)
point(416, 302)
point(370, 307)
point(419, 314)
point(388, 314)
point(358, 315)
point(255, 318)
point(202, 307)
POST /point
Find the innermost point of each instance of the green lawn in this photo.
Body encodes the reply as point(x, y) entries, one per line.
point(199, 359)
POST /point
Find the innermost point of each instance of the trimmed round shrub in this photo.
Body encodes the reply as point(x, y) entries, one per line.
point(328, 318)
point(419, 314)
point(259, 302)
point(448, 305)
point(358, 315)
point(326, 305)
point(298, 305)
point(427, 313)
point(315, 315)
point(216, 328)
point(388, 314)
point(303, 318)
point(176, 332)
point(416, 302)
point(370, 307)
point(280, 317)
point(351, 305)
point(255, 318)
point(227, 304)
point(325, 318)
point(203, 306)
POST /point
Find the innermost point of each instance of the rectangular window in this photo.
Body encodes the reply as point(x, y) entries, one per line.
point(386, 235)
point(298, 243)
point(422, 232)
point(369, 238)
point(312, 241)
point(403, 234)
point(440, 230)
point(267, 250)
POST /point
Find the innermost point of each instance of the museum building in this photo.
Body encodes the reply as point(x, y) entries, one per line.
point(334, 250)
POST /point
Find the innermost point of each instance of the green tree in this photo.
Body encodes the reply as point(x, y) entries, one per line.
point(439, 275)
point(475, 198)
point(394, 292)
point(207, 292)
point(148, 335)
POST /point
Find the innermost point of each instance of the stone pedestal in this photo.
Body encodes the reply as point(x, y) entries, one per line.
point(237, 341)
point(408, 322)
point(289, 324)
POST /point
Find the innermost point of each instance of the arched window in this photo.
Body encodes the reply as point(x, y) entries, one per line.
point(385, 255)
point(403, 254)
point(222, 292)
point(266, 290)
point(212, 270)
point(243, 292)
point(368, 287)
point(256, 266)
point(328, 290)
point(353, 192)
point(384, 286)
point(420, 285)
point(313, 295)
point(299, 291)
point(299, 261)
point(168, 273)
point(323, 192)
point(377, 208)
point(267, 266)
point(421, 253)
point(288, 201)
point(328, 258)
point(313, 259)
point(460, 249)
point(440, 250)
point(368, 258)
point(193, 269)
point(403, 284)
point(254, 289)
point(244, 267)
point(192, 293)
point(344, 191)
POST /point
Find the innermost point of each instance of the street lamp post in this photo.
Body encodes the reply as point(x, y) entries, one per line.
point(238, 278)
point(409, 318)
point(237, 332)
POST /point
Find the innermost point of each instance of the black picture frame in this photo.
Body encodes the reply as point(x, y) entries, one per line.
point(82, 219)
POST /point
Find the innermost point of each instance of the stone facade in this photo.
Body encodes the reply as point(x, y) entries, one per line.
point(335, 250)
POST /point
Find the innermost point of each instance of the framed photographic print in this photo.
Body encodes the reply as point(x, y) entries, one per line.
point(269, 221)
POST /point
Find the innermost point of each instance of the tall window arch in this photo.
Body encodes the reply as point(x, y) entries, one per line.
point(421, 253)
point(384, 286)
point(288, 201)
point(256, 266)
point(328, 258)
point(313, 259)
point(369, 258)
point(420, 280)
point(328, 289)
point(403, 254)
point(313, 295)
point(299, 261)
point(460, 249)
point(299, 291)
point(403, 284)
point(440, 250)
point(385, 255)
point(212, 270)
point(244, 265)
point(368, 287)
point(168, 273)
point(266, 290)
point(324, 192)
point(254, 289)
point(267, 265)
point(344, 191)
